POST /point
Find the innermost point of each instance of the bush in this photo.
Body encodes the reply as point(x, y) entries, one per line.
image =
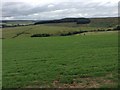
point(109, 29)
point(72, 33)
point(61, 34)
point(117, 28)
point(41, 35)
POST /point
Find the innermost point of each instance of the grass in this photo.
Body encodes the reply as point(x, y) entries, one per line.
point(16, 22)
point(71, 61)
point(54, 29)
point(0, 63)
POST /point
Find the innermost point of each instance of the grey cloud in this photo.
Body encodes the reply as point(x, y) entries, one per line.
point(58, 10)
point(14, 9)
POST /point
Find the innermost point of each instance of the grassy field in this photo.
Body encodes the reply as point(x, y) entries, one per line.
point(57, 28)
point(16, 22)
point(0, 63)
point(79, 61)
point(87, 60)
point(28, 31)
point(0, 59)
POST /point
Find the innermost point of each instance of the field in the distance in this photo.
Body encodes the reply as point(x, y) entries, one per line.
point(59, 28)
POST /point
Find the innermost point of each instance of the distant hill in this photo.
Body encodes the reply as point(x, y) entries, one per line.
point(92, 22)
point(104, 22)
point(9, 21)
point(66, 20)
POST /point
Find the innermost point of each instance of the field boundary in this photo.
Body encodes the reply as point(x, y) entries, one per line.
point(70, 33)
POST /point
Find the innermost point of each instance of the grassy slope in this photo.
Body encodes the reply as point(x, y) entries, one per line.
point(41, 62)
point(0, 59)
point(96, 23)
point(0, 63)
point(29, 30)
point(39, 29)
point(104, 22)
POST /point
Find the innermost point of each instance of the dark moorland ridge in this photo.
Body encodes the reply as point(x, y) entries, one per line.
point(65, 20)
point(107, 20)
point(92, 22)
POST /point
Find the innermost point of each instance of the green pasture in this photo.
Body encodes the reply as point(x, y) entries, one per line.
point(79, 61)
point(44, 28)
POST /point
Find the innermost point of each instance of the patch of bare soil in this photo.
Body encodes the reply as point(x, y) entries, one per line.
point(88, 82)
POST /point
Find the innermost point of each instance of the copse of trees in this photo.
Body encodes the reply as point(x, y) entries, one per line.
point(48, 21)
point(60, 34)
point(41, 35)
point(117, 27)
point(83, 21)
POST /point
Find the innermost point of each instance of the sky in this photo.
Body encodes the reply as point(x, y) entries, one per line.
point(57, 9)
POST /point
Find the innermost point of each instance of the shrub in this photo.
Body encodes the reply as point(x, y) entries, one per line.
point(72, 33)
point(41, 35)
point(117, 28)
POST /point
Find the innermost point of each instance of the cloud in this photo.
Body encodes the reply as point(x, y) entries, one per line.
point(56, 10)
